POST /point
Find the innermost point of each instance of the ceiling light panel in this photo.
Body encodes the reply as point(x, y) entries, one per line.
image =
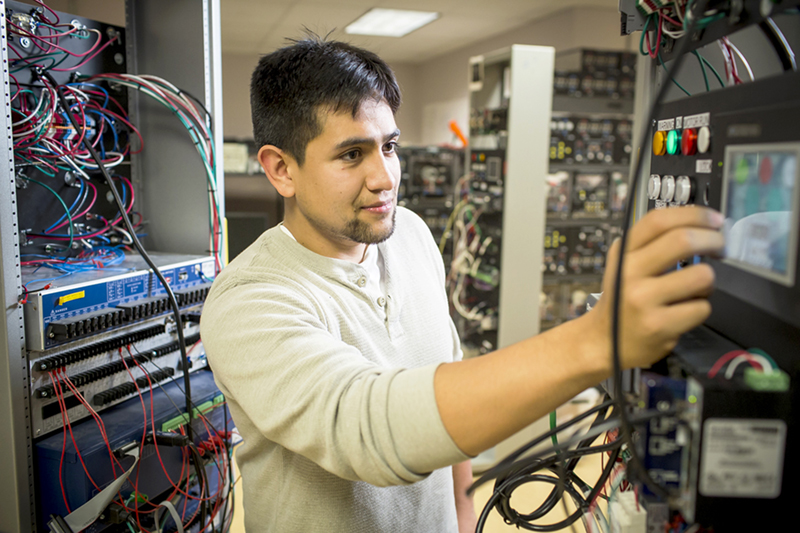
point(390, 22)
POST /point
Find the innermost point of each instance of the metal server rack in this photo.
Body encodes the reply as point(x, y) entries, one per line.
point(520, 81)
point(180, 41)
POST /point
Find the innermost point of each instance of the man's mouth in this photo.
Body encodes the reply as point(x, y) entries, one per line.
point(379, 207)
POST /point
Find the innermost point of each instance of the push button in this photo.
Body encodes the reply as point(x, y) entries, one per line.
point(660, 143)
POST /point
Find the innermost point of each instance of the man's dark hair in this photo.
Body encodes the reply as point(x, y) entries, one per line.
point(292, 85)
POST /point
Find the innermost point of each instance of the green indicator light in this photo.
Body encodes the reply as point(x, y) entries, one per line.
point(692, 399)
point(742, 171)
point(673, 142)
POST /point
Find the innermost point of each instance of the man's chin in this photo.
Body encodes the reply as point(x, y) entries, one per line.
point(374, 232)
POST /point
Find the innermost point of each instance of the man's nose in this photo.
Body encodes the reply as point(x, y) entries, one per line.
point(384, 173)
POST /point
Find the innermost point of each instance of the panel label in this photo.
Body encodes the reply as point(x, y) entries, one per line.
point(69, 297)
point(742, 458)
point(678, 122)
point(666, 125)
point(660, 204)
point(703, 166)
point(697, 121)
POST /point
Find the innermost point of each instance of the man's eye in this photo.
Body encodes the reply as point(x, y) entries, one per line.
point(390, 147)
point(352, 155)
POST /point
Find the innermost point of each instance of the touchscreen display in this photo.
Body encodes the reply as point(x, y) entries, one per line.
point(760, 206)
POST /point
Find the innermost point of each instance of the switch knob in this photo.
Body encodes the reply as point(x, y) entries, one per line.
point(683, 190)
point(703, 139)
point(667, 188)
point(654, 187)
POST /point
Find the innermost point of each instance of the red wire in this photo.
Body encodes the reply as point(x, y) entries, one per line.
point(101, 426)
point(727, 357)
point(62, 407)
point(57, 386)
point(82, 63)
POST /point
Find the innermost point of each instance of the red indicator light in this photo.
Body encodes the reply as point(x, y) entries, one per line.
point(765, 170)
point(689, 141)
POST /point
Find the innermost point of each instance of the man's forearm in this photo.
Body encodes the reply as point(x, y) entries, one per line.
point(484, 400)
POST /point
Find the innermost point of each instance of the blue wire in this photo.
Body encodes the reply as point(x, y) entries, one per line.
point(56, 223)
point(98, 87)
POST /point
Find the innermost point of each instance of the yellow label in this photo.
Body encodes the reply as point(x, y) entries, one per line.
point(70, 297)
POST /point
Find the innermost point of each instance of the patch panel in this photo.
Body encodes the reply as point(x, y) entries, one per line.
point(85, 304)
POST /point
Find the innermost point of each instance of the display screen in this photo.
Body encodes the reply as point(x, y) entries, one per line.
point(760, 204)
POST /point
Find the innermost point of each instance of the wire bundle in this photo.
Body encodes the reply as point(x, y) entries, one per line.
point(212, 507)
point(469, 247)
point(199, 127)
point(45, 35)
point(672, 21)
point(45, 141)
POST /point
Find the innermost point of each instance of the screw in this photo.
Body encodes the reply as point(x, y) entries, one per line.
point(25, 42)
point(662, 406)
point(69, 178)
point(38, 431)
point(76, 23)
point(118, 58)
point(51, 335)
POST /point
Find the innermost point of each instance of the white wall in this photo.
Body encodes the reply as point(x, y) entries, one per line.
point(442, 85)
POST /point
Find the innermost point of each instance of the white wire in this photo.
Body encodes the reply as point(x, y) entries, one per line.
point(125, 233)
point(743, 60)
point(728, 60)
point(731, 370)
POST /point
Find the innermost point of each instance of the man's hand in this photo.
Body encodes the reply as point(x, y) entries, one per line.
point(465, 504)
point(657, 308)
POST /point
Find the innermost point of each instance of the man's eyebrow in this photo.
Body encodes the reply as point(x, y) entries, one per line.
point(355, 141)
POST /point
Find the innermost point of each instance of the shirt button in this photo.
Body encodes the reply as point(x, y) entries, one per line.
point(362, 281)
point(381, 301)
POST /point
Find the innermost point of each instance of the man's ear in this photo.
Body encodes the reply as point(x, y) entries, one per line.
point(275, 163)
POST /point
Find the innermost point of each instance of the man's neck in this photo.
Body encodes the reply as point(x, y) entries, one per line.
point(305, 235)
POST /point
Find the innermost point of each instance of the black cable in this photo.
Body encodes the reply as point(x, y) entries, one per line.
point(535, 457)
point(501, 497)
point(229, 456)
point(200, 470)
point(779, 43)
point(503, 466)
point(198, 102)
point(565, 470)
point(625, 425)
point(562, 464)
point(171, 295)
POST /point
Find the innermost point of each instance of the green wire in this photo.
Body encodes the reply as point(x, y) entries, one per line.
point(673, 79)
point(66, 209)
point(553, 423)
point(38, 167)
point(210, 173)
point(641, 38)
point(759, 351)
point(703, 68)
point(716, 74)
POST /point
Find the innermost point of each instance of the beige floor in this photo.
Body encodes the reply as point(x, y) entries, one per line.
point(525, 499)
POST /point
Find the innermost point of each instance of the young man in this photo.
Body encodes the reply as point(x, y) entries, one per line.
point(330, 335)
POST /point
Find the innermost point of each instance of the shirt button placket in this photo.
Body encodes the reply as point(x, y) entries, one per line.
point(362, 282)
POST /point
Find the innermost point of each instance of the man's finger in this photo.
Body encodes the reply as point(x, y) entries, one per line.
point(682, 317)
point(663, 252)
point(696, 281)
point(661, 221)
